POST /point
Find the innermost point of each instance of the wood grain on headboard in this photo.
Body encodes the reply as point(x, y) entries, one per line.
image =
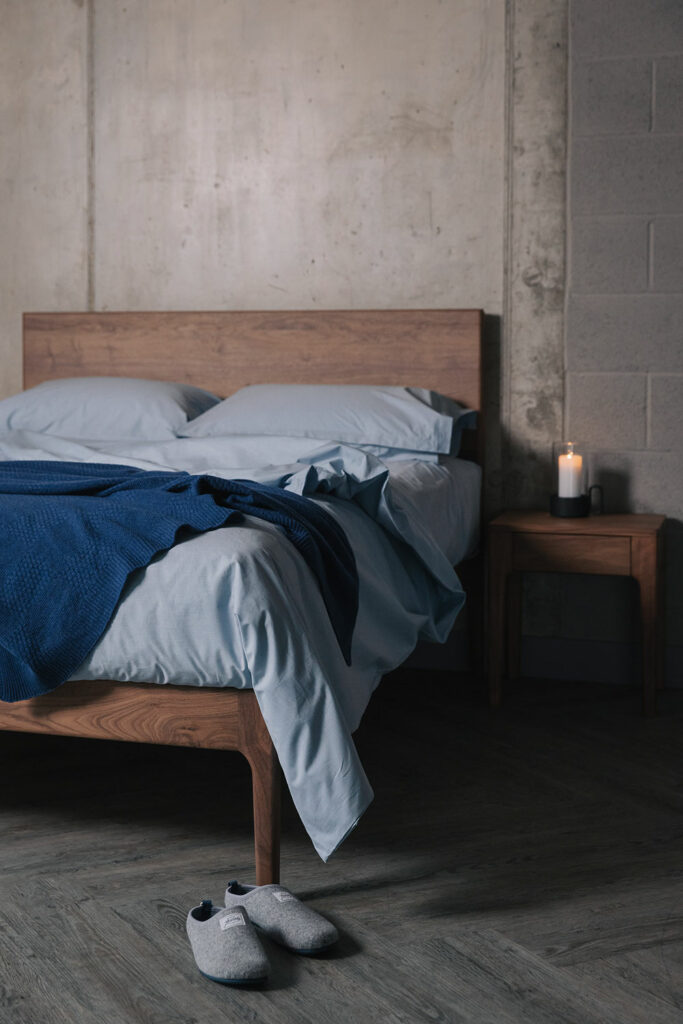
point(224, 351)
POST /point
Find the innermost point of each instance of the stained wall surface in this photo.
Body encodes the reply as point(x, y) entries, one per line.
point(43, 167)
point(297, 154)
point(285, 154)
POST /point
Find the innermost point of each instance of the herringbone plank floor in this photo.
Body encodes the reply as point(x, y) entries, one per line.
point(523, 866)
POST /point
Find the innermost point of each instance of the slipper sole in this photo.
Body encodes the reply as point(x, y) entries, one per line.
point(312, 952)
point(234, 981)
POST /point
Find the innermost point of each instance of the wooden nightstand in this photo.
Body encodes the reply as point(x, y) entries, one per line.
point(617, 545)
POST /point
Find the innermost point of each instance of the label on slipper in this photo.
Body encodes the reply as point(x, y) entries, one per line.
point(231, 921)
point(284, 897)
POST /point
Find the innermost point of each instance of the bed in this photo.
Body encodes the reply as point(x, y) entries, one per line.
point(223, 352)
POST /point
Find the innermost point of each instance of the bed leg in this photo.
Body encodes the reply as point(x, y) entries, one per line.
point(265, 778)
point(265, 775)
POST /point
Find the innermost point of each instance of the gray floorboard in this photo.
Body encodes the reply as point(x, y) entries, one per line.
point(518, 866)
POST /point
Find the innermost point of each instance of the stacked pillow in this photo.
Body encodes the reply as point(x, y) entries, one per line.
point(106, 408)
point(387, 421)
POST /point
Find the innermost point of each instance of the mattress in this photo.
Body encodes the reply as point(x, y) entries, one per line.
point(238, 607)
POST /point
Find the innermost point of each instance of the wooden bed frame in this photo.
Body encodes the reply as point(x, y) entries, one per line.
point(224, 351)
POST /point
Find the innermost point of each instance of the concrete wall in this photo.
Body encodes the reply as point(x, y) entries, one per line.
point(291, 153)
point(531, 372)
point(624, 330)
point(280, 154)
point(43, 167)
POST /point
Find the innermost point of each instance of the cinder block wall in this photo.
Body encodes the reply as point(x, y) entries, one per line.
point(624, 321)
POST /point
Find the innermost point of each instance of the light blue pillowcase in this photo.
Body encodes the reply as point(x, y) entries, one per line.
point(388, 454)
point(411, 419)
point(106, 408)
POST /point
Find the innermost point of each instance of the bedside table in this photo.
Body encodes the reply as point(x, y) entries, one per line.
point(609, 545)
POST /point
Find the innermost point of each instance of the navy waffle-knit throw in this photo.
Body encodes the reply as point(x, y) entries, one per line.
point(71, 533)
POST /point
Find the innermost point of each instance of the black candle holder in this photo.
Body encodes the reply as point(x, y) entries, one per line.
point(570, 508)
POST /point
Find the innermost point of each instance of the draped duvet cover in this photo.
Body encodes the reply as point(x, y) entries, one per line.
point(239, 606)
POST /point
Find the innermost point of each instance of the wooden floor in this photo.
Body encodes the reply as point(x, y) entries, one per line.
point(522, 866)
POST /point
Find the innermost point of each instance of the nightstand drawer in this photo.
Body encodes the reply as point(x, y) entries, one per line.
point(589, 553)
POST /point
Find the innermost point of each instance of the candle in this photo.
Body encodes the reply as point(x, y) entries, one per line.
point(569, 483)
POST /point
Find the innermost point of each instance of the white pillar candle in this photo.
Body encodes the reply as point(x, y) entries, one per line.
point(569, 477)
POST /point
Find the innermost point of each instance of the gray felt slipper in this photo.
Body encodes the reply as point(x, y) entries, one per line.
point(284, 918)
point(225, 945)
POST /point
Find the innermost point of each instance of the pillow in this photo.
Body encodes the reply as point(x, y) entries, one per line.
point(252, 451)
point(105, 408)
point(390, 417)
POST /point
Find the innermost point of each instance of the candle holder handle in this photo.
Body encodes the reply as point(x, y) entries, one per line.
point(596, 504)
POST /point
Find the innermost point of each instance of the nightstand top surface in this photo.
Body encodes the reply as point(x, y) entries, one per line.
point(535, 521)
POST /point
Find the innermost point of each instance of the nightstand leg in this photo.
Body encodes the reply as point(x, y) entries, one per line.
point(514, 625)
point(644, 565)
point(499, 568)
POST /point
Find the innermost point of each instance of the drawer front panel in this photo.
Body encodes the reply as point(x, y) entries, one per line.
point(562, 553)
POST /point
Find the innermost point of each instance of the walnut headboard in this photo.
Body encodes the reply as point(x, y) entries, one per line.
point(224, 351)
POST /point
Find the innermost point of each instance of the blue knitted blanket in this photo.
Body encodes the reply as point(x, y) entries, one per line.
point(71, 533)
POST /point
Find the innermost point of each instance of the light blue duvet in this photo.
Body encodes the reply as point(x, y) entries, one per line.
point(239, 607)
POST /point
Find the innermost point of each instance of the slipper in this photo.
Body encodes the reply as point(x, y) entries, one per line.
point(284, 918)
point(225, 945)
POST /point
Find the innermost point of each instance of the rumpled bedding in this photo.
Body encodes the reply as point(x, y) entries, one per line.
point(239, 607)
point(95, 524)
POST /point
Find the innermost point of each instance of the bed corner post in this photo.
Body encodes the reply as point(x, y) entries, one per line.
point(259, 751)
